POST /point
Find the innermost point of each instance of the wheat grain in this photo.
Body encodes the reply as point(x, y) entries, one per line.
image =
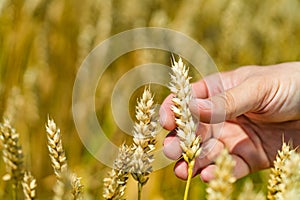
point(186, 127)
point(289, 187)
point(145, 131)
point(275, 179)
point(181, 88)
point(115, 184)
point(68, 185)
point(29, 186)
point(248, 192)
point(56, 150)
point(77, 187)
point(12, 154)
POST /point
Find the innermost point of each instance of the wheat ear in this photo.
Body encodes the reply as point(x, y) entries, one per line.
point(12, 156)
point(115, 184)
point(248, 192)
point(186, 127)
point(275, 179)
point(284, 180)
point(290, 186)
point(220, 188)
point(68, 185)
point(145, 131)
point(29, 186)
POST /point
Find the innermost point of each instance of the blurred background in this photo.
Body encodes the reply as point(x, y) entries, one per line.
point(43, 43)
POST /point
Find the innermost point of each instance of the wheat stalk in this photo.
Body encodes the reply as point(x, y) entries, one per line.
point(220, 188)
point(68, 185)
point(115, 184)
point(145, 131)
point(186, 127)
point(29, 186)
point(12, 155)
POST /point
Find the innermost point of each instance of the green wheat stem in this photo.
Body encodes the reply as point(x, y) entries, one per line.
point(188, 183)
point(140, 187)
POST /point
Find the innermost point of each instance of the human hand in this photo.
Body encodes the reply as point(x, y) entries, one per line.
point(261, 105)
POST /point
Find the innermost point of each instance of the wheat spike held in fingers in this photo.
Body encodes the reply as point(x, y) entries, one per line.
point(186, 127)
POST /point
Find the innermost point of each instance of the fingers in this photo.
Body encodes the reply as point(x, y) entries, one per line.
point(210, 150)
point(205, 163)
point(166, 115)
point(206, 173)
point(210, 85)
point(240, 170)
point(172, 149)
point(230, 104)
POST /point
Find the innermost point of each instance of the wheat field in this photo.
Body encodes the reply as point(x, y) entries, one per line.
point(44, 42)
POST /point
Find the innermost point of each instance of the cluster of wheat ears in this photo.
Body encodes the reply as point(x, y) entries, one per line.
point(136, 159)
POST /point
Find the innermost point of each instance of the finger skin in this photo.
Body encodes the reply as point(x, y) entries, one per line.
point(202, 89)
point(229, 104)
point(172, 149)
point(240, 170)
point(211, 150)
point(166, 115)
point(171, 144)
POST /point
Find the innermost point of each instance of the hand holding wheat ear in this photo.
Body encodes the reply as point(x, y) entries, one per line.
point(251, 131)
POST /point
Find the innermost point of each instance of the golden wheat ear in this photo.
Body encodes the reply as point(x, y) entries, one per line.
point(284, 182)
point(12, 155)
point(221, 186)
point(144, 139)
point(248, 192)
point(186, 127)
point(29, 186)
point(115, 183)
point(68, 185)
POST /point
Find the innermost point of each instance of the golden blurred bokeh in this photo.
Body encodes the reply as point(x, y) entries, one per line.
point(44, 42)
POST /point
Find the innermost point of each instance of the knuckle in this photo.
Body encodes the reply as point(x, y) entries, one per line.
point(230, 105)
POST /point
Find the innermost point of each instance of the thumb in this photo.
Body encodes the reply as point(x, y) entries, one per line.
point(236, 101)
